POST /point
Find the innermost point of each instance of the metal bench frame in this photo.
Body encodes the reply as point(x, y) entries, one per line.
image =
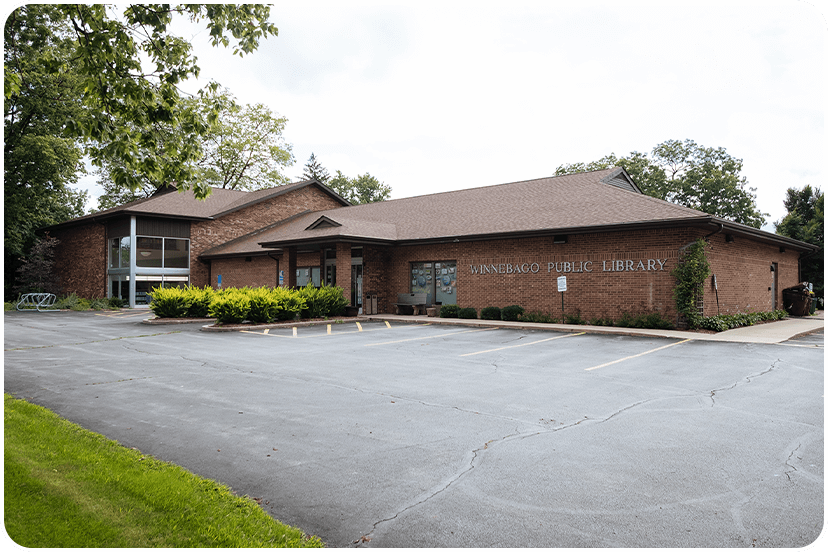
point(39, 301)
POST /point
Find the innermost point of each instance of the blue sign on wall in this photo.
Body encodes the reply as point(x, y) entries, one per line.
point(219, 281)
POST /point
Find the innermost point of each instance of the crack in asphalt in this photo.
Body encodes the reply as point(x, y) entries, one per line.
point(788, 462)
point(746, 379)
point(475, 453)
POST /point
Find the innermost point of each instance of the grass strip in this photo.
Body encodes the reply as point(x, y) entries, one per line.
point(65, 486)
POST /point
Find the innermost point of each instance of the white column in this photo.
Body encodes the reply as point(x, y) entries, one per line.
point(132, 260)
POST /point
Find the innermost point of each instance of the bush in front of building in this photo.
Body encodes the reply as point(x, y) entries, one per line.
point(449, 311)
point(490, 313)
point(723, 322)
point(201, 298)
point(538, 317)
point(322, 302)
point(649, 320)
point(170, 302)
point(264, 306)
point(573, 318)
point(467, 313)
point(229, 306)
point(511, 313)
point(290, 303)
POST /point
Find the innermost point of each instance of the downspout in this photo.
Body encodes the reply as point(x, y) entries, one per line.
point(270, 254)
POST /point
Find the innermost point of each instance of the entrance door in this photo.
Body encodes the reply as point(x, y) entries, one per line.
point(356, 285)
point(774, 284)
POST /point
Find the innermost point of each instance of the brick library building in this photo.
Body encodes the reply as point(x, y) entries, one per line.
point(489, 246)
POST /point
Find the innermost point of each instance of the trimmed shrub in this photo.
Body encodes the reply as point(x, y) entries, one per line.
point(512, 312)
point(322, 302)
point(99, 304)
point(651, 320)
point(68, 302)
point(574, 318)
point(116, 303)
point(722, 322)
point(490, 313)
point(601, 321)
point(467, 313)
point(230, 306)
point(171, 302)
point(263, 305)
point(449, 311)
point(537, 316)
point(201, 298)
point(289, 303)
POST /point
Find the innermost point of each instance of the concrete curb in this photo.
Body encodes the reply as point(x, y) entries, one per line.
point(288, 324)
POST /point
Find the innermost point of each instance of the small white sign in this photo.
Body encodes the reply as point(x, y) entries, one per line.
point(561, 283)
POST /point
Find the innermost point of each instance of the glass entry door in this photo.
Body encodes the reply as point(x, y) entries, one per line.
point(356, 285)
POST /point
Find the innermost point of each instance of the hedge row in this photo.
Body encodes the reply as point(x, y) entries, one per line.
point(651, 320)
point(259, 305)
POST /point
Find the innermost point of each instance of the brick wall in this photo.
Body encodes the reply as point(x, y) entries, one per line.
point(630, 272)
point(207, 234)
point(80, 260)
point(743, 275)
point(258, 271)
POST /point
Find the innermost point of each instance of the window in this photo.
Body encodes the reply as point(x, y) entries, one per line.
point(119, 252)
point(438, 280)
point(162, 252)
point(306, 275)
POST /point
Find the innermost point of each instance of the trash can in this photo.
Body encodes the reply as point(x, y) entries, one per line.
point(370, 306)
point(797, 300)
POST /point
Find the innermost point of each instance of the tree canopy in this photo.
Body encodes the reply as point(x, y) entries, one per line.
point(805, 221)
point(128, 66)
point(242, 150)
point(315, 171)
point(707, 179)
point(364, 188)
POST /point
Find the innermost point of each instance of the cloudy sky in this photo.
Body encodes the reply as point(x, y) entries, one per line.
point(436, 96)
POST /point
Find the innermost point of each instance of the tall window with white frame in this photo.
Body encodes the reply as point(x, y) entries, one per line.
point(159, 262)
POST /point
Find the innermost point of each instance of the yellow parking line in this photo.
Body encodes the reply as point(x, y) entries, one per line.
point(359, 326)
point(522, 344)
point(428, 337)
point(329, 329)
point(387, 323)
point(635, 356)
point(267, 331)
point(294, 331)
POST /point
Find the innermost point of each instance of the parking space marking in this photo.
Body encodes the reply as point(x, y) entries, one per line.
point(522, 344)
point(359, 326)
point(635, 356)
point(121, 314)
point(428, 337)
point(329, 331)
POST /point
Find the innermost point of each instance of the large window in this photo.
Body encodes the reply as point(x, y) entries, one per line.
point(119, 252)
point(307, 275)
point(437, 279)
point(162, 252)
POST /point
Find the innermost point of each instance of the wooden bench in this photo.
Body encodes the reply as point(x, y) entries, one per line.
point(416, 301)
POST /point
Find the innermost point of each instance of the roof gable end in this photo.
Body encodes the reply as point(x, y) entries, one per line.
point(323, 222)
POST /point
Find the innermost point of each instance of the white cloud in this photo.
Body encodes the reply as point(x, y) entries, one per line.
point(445, 95)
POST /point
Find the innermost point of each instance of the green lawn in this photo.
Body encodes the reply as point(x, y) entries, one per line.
point(68, 487)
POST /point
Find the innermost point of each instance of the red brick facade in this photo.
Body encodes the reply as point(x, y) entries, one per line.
point(207, 234)
point(607, 273)
point(80, 260)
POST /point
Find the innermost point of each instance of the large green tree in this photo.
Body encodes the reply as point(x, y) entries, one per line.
point(805, 221)
point(707, 179)
point(129, 65)
point(243, 149)
point(41, 161)
point(364, 188)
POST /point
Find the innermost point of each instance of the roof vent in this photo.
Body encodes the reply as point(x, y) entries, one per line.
point(323, 222)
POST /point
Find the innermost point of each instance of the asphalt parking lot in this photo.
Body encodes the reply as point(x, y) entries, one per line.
point(402, 435)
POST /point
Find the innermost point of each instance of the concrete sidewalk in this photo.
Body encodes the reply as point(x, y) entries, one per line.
point(769, 332)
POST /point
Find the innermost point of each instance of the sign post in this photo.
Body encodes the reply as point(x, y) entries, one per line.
point(562, 288)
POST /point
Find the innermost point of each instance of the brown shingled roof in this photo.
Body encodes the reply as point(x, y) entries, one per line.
point(543, 205)
point(584, 202)
point(185, 205)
